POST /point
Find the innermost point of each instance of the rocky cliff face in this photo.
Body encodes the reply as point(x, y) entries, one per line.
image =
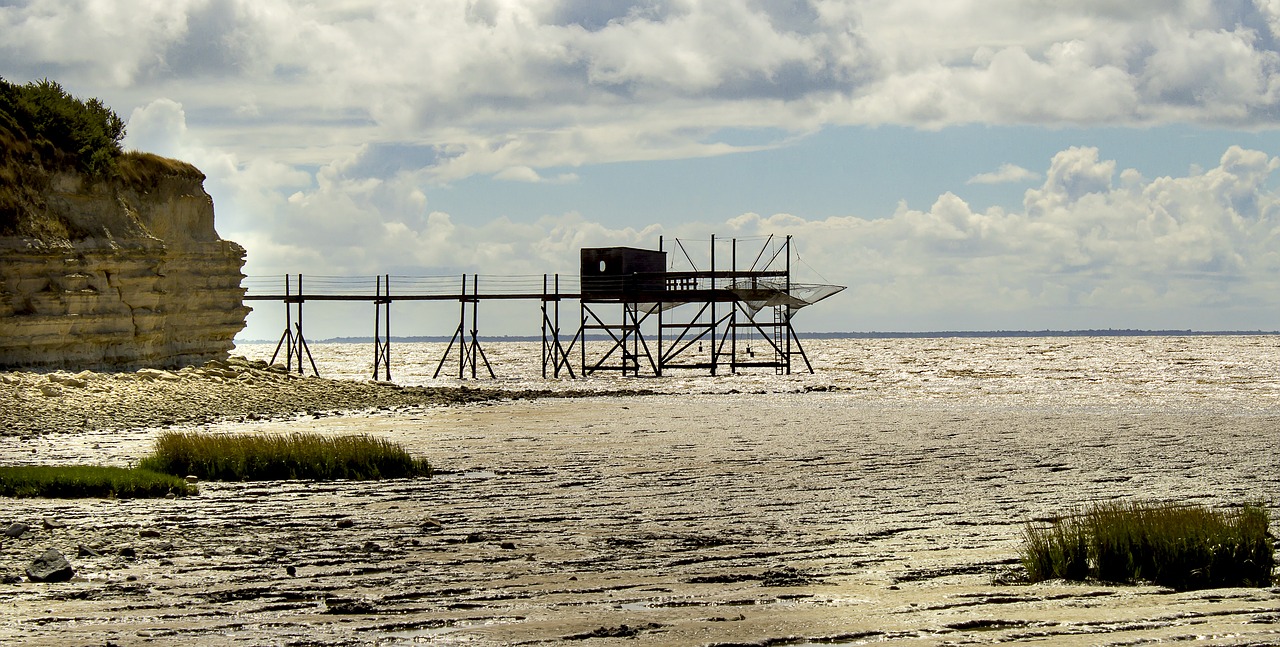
point(133, 274)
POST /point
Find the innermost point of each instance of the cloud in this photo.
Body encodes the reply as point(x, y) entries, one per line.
point(1007, 173)
point(1192, 251)
point(540, 83)
point(526, 174)
point(324, 128)
point(247, 190)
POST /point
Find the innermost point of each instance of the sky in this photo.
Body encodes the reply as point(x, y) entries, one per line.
point(958, 165)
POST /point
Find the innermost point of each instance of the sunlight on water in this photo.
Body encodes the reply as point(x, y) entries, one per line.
point(1202, 373)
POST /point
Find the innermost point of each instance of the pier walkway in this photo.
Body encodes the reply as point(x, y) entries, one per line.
point(636, 315)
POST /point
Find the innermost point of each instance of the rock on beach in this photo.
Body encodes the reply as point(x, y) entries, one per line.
point(50, 567)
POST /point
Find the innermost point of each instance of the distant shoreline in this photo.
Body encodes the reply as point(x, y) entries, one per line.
point(940, 334)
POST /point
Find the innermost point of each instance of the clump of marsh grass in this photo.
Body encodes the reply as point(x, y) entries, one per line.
point(1179, 546)
point(260, 457)
point(79, 481)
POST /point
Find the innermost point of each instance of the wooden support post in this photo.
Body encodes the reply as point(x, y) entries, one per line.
point(382, 338)
point(545, 345)
point(788, 307)
point(286, 338)
point(293, 341)
point(469, 352)
point(733, 313)
point(715, 357)
point(476, 349)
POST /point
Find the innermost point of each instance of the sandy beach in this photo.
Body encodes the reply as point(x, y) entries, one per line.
point(714, 519)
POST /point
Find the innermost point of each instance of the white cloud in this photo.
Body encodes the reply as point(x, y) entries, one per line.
point(526, 174)
point(1007, 173)
point(248, 191)
point(324, 127)
point(1087, 249)
point(539, 83)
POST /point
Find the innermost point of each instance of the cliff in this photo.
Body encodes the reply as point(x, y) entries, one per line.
point(115, 272)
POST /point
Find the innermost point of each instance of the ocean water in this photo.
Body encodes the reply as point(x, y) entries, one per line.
point(1228, 374)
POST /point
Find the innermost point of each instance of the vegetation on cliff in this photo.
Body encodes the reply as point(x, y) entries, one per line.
point(57, 130)
point(45, 130)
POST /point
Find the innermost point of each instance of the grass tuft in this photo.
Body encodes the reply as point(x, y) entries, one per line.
point(281, 456)
point(78, 481)
point(1178, 546)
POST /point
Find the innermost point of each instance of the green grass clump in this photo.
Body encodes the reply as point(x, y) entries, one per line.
point(77, 481)
point(262, 457)
point(1181, 547)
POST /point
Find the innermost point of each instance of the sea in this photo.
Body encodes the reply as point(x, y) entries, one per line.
point(1221, 374)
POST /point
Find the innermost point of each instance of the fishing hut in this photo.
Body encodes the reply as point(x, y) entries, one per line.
point(640, 312)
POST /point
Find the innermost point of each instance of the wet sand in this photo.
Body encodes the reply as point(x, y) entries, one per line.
point(682, 520)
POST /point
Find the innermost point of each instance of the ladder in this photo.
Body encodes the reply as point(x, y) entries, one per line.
point(781, 358)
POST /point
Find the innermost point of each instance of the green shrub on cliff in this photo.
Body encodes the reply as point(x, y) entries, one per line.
point(61, 130)
point(45, 130)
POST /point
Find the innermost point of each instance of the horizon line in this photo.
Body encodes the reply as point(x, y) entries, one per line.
point(875, 334)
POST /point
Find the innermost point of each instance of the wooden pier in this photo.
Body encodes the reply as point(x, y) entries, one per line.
point(638, 316)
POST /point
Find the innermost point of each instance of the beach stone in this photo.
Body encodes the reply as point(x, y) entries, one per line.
point(431, 525)
point(10, 578)
point(50, 567)
point(157, 374)
point(52, 524)
point(347, 606)
point(85, 551)
point(16, 530)
point(128, 551)
point(73, 381)
point(149, 533)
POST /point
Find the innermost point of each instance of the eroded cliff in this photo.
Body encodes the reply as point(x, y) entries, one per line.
point(117, 273)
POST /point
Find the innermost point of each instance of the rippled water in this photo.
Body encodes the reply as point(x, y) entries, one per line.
point(1225, 374)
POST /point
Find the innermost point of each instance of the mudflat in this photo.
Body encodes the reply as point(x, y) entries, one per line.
point(724, 519)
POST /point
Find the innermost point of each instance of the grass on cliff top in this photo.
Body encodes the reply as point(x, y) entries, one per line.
point(1179, 546)
point(140, 169)
point(260, 457)
point(79, 481)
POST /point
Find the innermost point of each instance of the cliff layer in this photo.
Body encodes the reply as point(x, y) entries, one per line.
point(117, 273)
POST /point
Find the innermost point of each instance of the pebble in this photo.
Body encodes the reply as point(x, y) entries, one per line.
point(158, 398)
